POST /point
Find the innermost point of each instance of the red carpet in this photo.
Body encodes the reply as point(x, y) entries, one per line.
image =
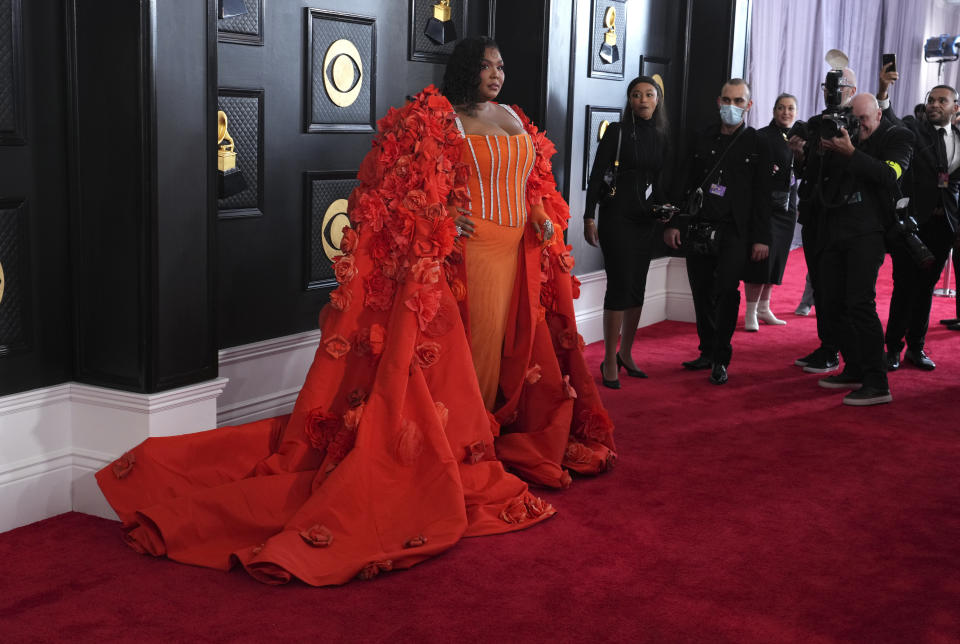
point(760, 511)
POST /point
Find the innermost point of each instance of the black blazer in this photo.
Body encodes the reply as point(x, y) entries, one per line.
point(746, 176)
point(920, 181)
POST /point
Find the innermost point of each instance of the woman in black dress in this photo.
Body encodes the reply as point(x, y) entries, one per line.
point(625, 233)
point(761, 276)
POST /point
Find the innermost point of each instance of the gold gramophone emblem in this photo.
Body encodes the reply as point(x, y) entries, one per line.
point(609, 52)
point(3, 282)
point(226, 154)
point(334, 221)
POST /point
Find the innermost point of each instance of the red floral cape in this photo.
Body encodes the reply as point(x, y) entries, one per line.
point(389, 455)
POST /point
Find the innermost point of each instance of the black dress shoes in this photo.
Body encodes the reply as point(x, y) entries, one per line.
point(919, 359)
point(892, 359)
point(718, 373)
point(950, 321)
point(610, 384)
point(633, 373)
point(700, 363)
point(954, 327)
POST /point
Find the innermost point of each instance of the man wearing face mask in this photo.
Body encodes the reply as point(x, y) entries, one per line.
point(726, 171)
point(855, 189)
point(824, 358)
point(933, 185)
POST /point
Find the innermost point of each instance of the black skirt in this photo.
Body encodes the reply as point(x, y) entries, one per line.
point(626, 239)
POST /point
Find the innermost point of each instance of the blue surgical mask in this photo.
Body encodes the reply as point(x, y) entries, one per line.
point(731, 114)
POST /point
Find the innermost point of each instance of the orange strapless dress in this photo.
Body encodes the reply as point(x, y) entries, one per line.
point(501, 165)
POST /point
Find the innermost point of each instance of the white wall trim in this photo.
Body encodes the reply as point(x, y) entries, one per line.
point(269, 347)
point(34, 399)
point(266, 406)
point(147, 403)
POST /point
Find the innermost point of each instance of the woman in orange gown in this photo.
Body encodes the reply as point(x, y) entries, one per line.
point(396, 447)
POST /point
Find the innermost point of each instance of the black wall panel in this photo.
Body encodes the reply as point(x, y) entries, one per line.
point(15, 282)
point(35, 312)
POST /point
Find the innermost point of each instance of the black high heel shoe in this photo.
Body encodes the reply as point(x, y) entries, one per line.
point(633, 373)
point(612, 384)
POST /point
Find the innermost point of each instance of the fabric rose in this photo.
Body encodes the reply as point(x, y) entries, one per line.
point(533, 374)
point(370, 340)
point(124, 465)
point(515, 512)
point(478, 451)
point(577, 453)
point(349, 241)
point(337, 345)
point(415, 201)
point(568, 389)
point(424, 303)
point(426, 270)
point(416, 542)
point(320, 426)
point(317, 536)
point(565, 260)
point(459, 289)
point(442, 413)
point(594, 426)
point(567, 339)
point(351, 419)
point(344, 268)
point(379, 292)
point(374, 568)
point(427, 354)
point(535, 505)
point(340, 299)
point(575, 286)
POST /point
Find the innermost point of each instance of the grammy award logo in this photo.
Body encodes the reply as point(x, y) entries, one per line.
point(609, 52)
point(2, 282)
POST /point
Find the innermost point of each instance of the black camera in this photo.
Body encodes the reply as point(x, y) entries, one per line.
point(665, 212)
point(827, 125)
point(906, 228)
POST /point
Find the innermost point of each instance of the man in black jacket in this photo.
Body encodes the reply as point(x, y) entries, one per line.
point(856, 189)
point(729, 164)
point(933, 185)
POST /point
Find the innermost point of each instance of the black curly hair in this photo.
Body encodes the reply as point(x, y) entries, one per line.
point(462, 76)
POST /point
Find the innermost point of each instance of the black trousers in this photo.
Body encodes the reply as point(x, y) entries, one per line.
point(828, 338)
point(848, 299)
point(913, 286)
point(715, 286)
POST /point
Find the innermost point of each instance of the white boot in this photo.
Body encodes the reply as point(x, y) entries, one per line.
point(750, 318)
point(766, 315)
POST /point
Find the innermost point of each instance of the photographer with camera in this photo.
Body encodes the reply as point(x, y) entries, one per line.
point(725, 176)
point(920, 248)
point(625, 181)
point(852, 184)
point(839, 88)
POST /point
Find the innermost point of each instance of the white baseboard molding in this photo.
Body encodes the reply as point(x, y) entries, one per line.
point(53, 441)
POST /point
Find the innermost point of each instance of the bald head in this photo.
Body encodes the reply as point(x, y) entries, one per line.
point(867, 111)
